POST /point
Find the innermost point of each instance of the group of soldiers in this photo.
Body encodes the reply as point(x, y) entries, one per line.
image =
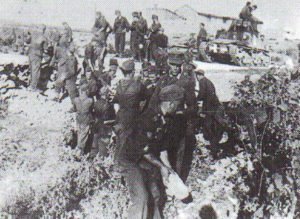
point(153, 115)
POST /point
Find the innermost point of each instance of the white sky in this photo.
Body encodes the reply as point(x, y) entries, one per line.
point(80, 13)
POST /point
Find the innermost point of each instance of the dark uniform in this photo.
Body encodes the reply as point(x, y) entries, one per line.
point(101, 29)
point(71, 77)
point(188, 82)
point(135, 36)
point(143, 29)
point(213, 111)
point(84, 118)
point(103, 111)
point(121, 25)
point(129, 94)
point(89, 55)
point(153, 133)
point(154, 29)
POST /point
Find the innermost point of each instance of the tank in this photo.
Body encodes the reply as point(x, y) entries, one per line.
point(239, 45)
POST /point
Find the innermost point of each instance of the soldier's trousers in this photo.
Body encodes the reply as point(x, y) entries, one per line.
point(71, 88)
point(140, 187)
point(35, 62)
point(120, 42)
point(84, 132)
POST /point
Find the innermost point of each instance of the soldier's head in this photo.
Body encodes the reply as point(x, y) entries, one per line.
point(88, 73)
point(135, 15)
point(98, 14)
point(118, 13)
point(170, 98)
point(175, 69)
point(248, 3)
point(199, 74)
point(128, 68)
point(202, 25)
point(113, 66)
point(65, 24)
point(154, 18)
point(247, 78)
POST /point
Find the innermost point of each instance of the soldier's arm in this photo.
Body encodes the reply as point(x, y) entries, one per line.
point(202, 92)
point(127, 25)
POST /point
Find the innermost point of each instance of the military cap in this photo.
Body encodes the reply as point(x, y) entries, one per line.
point(154, 16)
point(128, 65)
point(189, 67)
point(113, 62)
point(117, 12)
point(135, 14)
point(199, 71)
point(202, 24)
point(171, 93)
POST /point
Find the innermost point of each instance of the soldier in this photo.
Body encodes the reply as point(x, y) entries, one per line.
point(129, 93)
point(121, 26)
point(60, 57)
point(38, 44)
point(71, 76)
point(103, 111)
point(109, 75)
point(139, 156)
point(245, 14)
point(153, 31)
point(134, 36)
point(101, 28)
point(192, 41)
point(67, 34)
point(202, 35)
point(89, 56)
point(212, 110)
point(93, 86)
point(84, 117)
point(187, 81)
point(143, 29)
point(100, 52)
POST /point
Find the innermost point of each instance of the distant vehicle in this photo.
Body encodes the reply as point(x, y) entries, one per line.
point(238, 46)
